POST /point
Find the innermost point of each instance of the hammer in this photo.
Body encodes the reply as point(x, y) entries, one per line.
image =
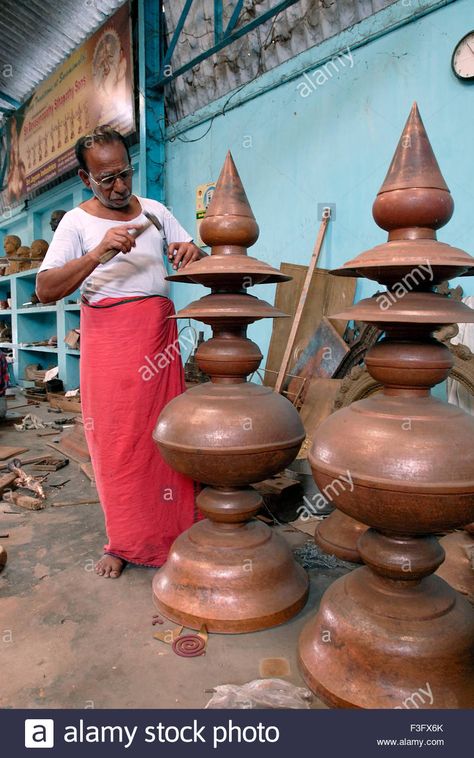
point(152, 221)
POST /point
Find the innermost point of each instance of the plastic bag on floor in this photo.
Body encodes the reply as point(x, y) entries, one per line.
point(261, 693)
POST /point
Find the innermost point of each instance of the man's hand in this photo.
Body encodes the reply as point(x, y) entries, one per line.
point(117, 238)
point(182, 253)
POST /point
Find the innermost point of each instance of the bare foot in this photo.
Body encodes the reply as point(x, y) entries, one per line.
point(110, 566)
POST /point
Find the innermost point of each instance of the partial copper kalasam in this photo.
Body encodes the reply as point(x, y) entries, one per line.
point(229, 571)
point(405, 464)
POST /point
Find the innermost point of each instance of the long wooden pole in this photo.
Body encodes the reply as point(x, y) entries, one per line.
point(304, 293)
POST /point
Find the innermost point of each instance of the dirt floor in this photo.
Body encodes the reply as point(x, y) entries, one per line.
point(70, 639)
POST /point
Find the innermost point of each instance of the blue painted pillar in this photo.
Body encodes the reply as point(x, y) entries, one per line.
point(151, 102)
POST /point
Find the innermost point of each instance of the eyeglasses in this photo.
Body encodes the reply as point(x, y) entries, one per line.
point(108, 181)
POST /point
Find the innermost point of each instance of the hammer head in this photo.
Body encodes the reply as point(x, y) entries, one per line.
point(153, 220)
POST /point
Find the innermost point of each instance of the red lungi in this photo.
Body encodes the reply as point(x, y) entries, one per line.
point(126, 380)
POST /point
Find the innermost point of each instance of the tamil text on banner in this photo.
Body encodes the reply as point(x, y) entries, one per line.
point(93, 86)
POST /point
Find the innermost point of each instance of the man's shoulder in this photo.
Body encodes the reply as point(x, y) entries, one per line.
point(73, 217)
point(153, 205)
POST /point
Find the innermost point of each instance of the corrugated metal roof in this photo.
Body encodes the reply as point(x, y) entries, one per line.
point(37, 35)
point(298, 28)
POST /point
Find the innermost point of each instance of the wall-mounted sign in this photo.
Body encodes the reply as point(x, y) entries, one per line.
point(93, 86)
point(204, 194)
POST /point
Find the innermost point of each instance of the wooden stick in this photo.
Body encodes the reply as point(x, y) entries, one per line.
point(304, 293)
point(75, 502)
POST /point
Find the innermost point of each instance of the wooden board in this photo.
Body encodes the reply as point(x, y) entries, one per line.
point(320, 357)
point(6, 482)
point(8, 452)
point(327, 294)
point(66, 404)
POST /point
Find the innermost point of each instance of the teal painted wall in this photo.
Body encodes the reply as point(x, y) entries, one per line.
point(335, 145)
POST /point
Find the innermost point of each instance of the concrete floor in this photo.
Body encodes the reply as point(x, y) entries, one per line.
point(70, 639)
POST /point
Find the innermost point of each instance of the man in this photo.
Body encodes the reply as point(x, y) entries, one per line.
point(125, 324)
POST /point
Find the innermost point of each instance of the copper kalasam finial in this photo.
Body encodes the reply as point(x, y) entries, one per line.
point(402, 462)
point(229, 433)
point(412, 203)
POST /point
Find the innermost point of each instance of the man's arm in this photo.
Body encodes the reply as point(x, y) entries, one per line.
point(56, 283)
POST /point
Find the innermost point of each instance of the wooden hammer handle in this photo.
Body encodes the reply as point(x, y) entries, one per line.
point(108, 255)
point(133, 233)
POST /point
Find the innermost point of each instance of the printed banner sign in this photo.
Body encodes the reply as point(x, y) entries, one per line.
point(93, 86)
point(204, 193)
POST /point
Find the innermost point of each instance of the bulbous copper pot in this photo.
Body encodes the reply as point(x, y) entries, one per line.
point(261, 435)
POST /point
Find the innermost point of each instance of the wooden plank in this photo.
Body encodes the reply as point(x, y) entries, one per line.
point(327, 294)
point(65, 404)
point(7, 451)
point(6, 482)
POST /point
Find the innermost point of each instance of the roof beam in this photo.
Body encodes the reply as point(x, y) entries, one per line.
point(227, 37)
point(9, 99)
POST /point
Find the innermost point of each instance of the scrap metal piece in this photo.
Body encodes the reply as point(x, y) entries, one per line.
point(168, 635)
point(25, 480)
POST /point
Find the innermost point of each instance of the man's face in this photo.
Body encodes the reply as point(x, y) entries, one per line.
point(103, 160)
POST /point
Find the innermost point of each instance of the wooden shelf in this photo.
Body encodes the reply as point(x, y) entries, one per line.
point(38, 348)
point(37, 309)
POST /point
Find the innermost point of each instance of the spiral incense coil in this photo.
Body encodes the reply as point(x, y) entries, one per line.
point(189, 646)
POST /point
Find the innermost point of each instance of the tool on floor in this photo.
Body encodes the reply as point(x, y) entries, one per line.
point(152, 221)
point(50, 463)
